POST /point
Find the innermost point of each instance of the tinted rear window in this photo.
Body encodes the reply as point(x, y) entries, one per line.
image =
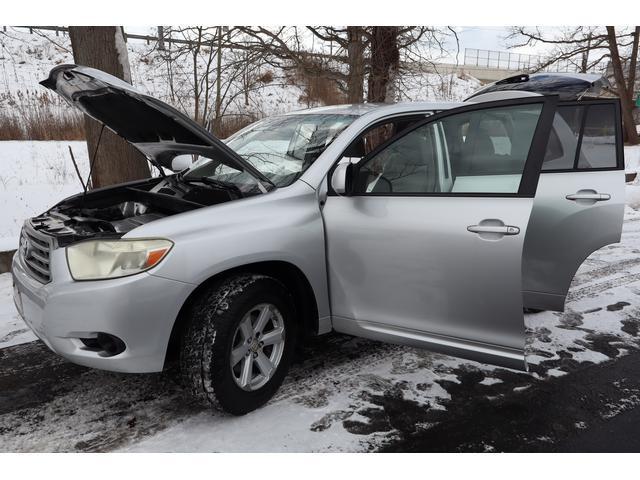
point(599, 138)
point(563, 141)
point(592, 127)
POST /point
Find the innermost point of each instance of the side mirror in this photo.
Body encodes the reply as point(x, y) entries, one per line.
point(341, 178)
point(180, 163)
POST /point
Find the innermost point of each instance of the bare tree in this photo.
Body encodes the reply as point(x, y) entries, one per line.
point(362, 55)
point(625, 84)
point(115, 160)
point(284, 49)
point(590, 48)
point(220, 71)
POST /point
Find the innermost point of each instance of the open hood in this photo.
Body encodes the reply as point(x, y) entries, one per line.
point(158, 130)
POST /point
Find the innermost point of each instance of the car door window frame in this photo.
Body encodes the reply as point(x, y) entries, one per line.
point(406, 116)
point(585, 104)
point(533, 163)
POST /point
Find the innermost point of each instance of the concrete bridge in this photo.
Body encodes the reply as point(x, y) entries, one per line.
point(484, 74)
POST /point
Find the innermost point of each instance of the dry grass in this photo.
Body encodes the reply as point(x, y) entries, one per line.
point(231, 124)
point(35, 127)
point(37, 116)
point(319, 90)
point(265, 77)
point(11, 129)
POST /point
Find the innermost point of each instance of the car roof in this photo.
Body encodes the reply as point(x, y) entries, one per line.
point(359, 109)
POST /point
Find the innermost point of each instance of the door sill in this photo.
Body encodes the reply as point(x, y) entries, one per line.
point(480, 352)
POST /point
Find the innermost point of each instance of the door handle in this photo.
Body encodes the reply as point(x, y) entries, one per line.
point(501, 229)
point(592, 197)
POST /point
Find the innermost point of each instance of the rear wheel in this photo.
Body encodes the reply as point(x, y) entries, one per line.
point(239, 342)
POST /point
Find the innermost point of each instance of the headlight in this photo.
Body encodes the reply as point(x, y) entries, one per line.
point(100, 259)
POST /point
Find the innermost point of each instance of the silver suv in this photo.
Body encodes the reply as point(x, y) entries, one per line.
point(425, 224)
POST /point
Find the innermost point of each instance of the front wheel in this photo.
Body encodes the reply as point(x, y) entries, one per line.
point(239, 342)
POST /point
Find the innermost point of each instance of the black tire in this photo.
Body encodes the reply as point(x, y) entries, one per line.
point(205, 350)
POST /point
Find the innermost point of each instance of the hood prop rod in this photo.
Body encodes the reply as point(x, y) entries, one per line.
point(93, 162)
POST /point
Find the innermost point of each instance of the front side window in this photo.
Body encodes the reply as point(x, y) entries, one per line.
point(482, 151)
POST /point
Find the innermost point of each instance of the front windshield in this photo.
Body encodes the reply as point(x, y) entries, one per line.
point(281, 148)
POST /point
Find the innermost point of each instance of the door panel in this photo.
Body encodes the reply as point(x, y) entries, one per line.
point(579, 205)
point(564, 232)
point(411, 263)
point(414, 259)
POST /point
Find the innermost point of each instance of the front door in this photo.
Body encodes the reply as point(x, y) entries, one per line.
point(427, 248)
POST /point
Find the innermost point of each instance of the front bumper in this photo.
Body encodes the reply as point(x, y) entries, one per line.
point(140, 310)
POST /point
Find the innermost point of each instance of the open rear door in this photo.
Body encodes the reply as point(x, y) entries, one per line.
point(579, 205)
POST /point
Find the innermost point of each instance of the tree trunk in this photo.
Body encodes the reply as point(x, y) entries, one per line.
point(585, 56)
point(633, 70)
point(115, 161)
point(623, 90)
point(355, 55)
point(385, 60)
point(161, 38)
point(196, 81)
point(217, 121)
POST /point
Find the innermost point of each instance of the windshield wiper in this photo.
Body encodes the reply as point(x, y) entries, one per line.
point(230, 187)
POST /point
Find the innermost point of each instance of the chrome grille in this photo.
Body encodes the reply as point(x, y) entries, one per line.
point(34, 252)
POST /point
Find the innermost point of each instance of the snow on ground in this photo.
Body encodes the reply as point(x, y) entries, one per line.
point(632, 158)
point(443, 86)
point(34, 176)
point(632, 165)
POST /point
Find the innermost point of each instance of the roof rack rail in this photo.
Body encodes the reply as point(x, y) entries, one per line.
point(523, 77)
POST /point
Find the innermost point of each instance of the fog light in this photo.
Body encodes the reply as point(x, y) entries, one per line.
point(104, 343)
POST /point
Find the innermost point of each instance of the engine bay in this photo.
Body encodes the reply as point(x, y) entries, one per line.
point(114, 211)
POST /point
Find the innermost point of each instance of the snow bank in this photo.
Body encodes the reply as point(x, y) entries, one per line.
point(33, 177)
point(632, 158)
